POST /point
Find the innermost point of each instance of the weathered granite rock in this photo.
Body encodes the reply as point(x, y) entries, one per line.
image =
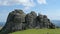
point(31, 19)
point(44, 22)
point(51, 26)
point(17, 20)
point(40, 21)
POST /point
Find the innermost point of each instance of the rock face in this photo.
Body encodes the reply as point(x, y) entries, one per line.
point(17, 20)
point(31, 19)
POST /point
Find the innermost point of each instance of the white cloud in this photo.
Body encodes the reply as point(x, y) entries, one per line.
point(17, 2)
point(41, 1)
point(26, 3)
point(3, 2)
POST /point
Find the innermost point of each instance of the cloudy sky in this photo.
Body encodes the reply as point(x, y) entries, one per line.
point(51, 8)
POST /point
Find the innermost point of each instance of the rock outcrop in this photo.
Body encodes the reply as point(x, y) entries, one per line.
point(31, 19)
point(17, 20)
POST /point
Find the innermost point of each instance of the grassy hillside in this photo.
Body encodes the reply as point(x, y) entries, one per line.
point(38, 31)
point(0, 28)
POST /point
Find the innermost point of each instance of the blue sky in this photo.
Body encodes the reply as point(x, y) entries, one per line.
point(51, 8)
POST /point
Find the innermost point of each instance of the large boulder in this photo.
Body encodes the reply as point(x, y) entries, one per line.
point(39, 21)
point(15, 21)
point(44, 22)
point(31, 19)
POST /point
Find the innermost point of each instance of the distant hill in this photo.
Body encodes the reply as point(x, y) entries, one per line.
point(2, 24)
point(56, 22)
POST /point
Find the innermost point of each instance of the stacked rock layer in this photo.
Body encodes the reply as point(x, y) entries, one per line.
point(17, 20)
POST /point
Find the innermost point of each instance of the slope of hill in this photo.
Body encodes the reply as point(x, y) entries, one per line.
point(38, 31)
point(56, 22)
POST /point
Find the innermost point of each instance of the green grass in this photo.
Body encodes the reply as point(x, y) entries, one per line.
point(38, 31)
point(0, 28)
